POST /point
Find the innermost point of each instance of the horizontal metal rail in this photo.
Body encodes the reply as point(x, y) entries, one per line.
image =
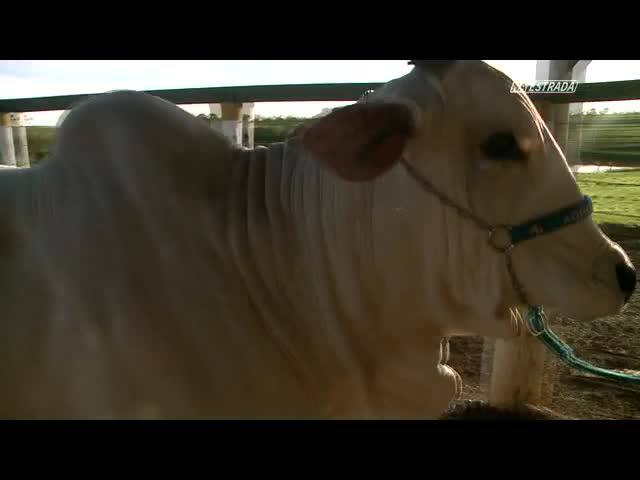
point(586, 92)
point(318, 92)
point(595, 92)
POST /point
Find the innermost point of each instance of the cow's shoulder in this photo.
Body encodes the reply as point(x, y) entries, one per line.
point(142, 135)
point(130, 103)
point(136, 113)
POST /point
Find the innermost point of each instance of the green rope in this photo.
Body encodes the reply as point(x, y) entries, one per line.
point(566, 354)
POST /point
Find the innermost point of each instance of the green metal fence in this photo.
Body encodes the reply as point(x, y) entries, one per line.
point(586, 92)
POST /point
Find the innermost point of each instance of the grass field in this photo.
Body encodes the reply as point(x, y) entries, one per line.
point(611, 139)
point(616, 196)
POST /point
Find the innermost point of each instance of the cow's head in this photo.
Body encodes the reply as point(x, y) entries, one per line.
point(459, 126)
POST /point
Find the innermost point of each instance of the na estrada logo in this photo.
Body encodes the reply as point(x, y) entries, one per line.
point(546, 86)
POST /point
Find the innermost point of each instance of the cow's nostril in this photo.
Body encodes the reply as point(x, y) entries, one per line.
point(626, 279)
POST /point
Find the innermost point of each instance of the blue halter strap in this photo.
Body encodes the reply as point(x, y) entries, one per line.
point(553, 221)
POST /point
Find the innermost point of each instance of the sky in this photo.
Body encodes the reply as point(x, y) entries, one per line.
point(36, 78)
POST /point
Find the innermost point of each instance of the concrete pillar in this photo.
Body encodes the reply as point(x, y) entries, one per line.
point(575, 109)
point(20, 143)
point(232, 122)
point(216, 124)
point(215, 109)
point(7, 152)
point(557, 116)
point(248, 119)
point(518, 371)
point(558, 121)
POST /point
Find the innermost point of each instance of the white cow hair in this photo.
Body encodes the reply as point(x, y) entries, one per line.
point(169, 274)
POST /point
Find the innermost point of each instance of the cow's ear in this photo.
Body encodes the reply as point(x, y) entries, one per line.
point(361, 141)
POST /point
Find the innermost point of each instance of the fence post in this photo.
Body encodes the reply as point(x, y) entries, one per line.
point(517, 374)
point(575, 128)
point(7, 152)
point(518, 364)
point(232, 121)
point(248, 119)
point(20, 142)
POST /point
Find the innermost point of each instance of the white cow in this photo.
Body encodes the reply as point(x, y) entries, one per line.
point(149, 269)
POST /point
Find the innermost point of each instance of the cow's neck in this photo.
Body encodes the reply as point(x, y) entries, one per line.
point(15, 196)
point(336, 257)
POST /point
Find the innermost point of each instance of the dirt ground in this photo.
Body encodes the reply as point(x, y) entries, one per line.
point(610, 342)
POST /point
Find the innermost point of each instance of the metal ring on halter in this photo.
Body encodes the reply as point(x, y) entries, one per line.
point(492, 238)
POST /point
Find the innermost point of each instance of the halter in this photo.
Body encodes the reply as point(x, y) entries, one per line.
point(503, 238)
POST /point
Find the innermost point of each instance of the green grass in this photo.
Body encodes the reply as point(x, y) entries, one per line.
point(616, 196)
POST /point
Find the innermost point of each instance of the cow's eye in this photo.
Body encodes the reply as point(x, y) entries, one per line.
point(502, 146)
